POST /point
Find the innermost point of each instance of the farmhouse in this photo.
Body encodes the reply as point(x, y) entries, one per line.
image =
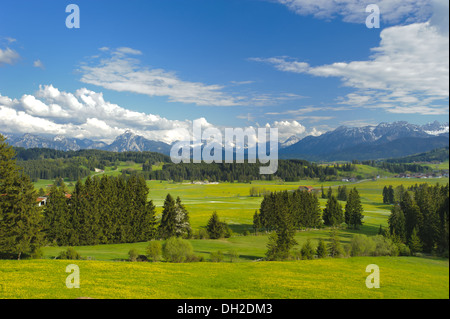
point(309, 189)
point(42, 201)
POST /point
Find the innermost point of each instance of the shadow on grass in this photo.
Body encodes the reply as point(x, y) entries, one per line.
point(227, 255)
point(241, 228)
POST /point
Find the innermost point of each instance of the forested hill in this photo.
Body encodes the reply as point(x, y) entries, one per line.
point(437, 155)
point(50, 164)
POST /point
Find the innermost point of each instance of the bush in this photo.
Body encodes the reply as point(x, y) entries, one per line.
point(177, 250)
point(334, 247)
point(404, 250)
point(246, 233)
point(361, 245)
point(322, 251)
point(202, 234)
point(217, 229)
point(194, 259)
point(133, 255)
point(233, 255)
point(69, 254)
point(154, 251)
point(217, 257)
point(308, 250)
point(384, 247)
point(296, 254)
point(37, 253)
point(142, 258)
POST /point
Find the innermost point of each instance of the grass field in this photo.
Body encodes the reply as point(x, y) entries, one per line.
point(400, 278)
point(108, 276)
point(236, 207)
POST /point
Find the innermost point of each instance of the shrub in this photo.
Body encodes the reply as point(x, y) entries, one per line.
point(246, 233)
point(384, 247)
point(142, 258)
point(334, 247)
point(308, 250)
point(37, 253)
point(133, 254)
point(154, 251)
point(69, 254)
point(322, 251)
point(217, 229)
point(194, 259)
point(296, 254)
point(403, 250)
point(202, 234)
point(233, 255)
point(177, 250)
point(216, 257)
point(361, 245)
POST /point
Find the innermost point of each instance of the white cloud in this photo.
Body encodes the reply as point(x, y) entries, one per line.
point(83, 114)
point(288, 129)
point(392, 11)
point(8, 56)
point(38, 64)
point(120, 72)
point(407, 73)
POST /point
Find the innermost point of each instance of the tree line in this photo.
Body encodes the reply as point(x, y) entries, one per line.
point(100, 211)
point(282, 213)
point(420, 218)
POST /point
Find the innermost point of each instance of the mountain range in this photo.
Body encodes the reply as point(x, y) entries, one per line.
point(386, 140)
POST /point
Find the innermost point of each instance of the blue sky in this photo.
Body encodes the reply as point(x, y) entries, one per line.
point(154, 66)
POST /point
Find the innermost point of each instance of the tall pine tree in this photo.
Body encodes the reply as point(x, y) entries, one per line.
point(20, 216)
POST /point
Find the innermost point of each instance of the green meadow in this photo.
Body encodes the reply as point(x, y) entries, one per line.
point(109, 275)
point(400, 278)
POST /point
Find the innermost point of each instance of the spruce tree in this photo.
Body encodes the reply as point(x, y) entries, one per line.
point(354, 210)
point(322, 251)
point(334, 247)
point(256, 222)
point(215, 227)
point(57, 217)
point(385, 195)
point(329, 193)
point(307, 250)
point(333, 214)
point(167, 226)
point(415, 245)
point(397, 223)
point(20, 216)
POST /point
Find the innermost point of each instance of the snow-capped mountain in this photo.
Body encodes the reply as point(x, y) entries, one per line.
point(436, 128)
point(290, 141)
point(132, 142)
point(385, 140)
point(370, 142)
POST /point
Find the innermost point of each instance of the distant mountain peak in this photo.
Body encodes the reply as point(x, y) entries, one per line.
point(370, 142)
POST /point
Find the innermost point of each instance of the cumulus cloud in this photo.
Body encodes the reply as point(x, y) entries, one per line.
point(83, 114)
point(288, 129)
point(392, 11)
point(407, 73)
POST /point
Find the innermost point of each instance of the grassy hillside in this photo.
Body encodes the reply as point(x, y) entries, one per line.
point(329, 278)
